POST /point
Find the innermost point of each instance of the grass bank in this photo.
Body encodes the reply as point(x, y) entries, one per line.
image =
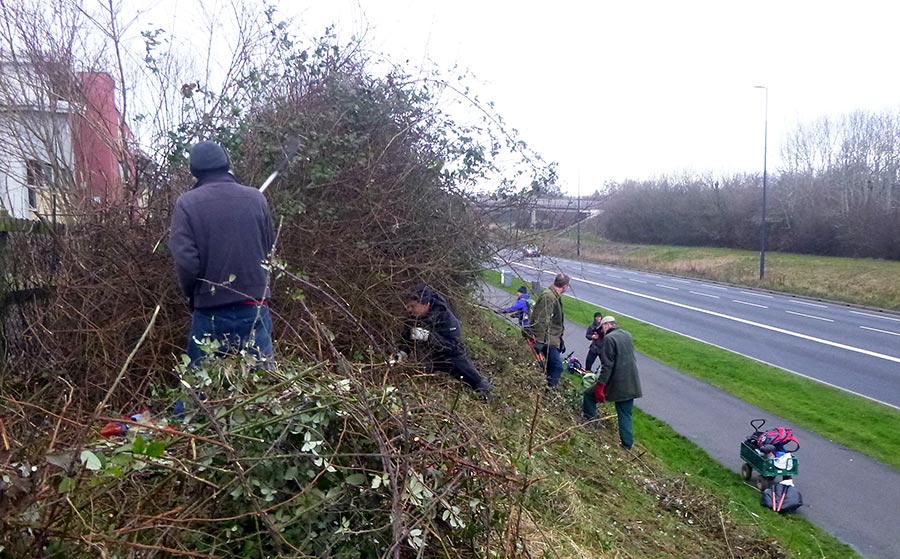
point(596, 500)
point(860, 281)
point(874, 429)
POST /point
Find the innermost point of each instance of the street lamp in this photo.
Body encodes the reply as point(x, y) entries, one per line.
point(762, 246)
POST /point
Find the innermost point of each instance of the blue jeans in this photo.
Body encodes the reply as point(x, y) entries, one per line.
point(234, 327)
point(552, 366)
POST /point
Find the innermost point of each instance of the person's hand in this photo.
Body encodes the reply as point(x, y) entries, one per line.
point(600, 393)
point(540, 348)
point(562, 346)
point(419, 334)
point(595, 336)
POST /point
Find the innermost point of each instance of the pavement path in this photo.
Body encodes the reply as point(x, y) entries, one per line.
point(854, 349)
point(847, 494)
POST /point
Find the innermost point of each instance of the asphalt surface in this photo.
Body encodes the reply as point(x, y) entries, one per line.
point(855, 349)
point(847, 494)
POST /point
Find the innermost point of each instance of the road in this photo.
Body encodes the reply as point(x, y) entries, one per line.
point(854, 349)
point(847, 494)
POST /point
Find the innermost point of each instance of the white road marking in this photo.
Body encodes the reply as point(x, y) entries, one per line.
point(666, 286)
point(751, 304)
point(757, 294)
point(680, 281)
point(614, 276)
point(714, 286)
point(882, 331)
point(810, 316)
point(758, 360)
point(809, 304)
point(637, 280)
point(877, 316)
point(705, 294)
point(771, 328)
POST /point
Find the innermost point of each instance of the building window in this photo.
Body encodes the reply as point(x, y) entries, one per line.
point(37, 176)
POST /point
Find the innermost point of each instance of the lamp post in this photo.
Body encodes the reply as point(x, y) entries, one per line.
point(762, 246)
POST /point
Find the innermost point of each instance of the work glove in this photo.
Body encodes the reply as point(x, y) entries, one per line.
point(398, 357)
point(600, 393)
point(562, 346)
point(419, 334)
point(540, 348)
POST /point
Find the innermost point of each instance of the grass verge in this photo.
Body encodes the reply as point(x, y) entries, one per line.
point(596, 500)
point(861, 281)
point(869, 428)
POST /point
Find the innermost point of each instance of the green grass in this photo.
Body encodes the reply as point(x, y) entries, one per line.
point(869, 428)
point(667, 498)
point(862, 281)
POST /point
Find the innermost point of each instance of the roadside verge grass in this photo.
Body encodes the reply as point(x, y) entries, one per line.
point(864, 426)
point(665, 498)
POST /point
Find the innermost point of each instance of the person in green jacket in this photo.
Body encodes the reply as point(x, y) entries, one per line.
point(617, 381)
point(547, 327)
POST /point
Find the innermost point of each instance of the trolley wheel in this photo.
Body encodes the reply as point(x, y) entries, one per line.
point(746, 472)
point(764, 483)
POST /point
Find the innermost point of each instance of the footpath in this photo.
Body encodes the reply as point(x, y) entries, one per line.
point(847, 494)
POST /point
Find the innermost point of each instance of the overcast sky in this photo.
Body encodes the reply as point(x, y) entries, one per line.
point(632, 89)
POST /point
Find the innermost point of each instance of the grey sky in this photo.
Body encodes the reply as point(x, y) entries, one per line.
point(618, 90)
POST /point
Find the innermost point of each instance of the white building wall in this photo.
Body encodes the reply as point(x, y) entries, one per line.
point(32, 127)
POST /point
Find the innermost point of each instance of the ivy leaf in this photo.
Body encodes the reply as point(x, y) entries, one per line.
point(66, 485)
point(356, 479)
point(156, 449)
point(90, 460)
point(139, 445)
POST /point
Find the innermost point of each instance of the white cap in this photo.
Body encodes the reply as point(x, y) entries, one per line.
point(606, 319)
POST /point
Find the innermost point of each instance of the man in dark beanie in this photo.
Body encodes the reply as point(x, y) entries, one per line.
point(221, 234)
point(433, 336)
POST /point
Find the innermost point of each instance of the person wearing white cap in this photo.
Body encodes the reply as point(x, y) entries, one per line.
point(617, 381)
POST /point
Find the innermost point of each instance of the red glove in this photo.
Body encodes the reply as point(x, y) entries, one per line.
point(600, 393)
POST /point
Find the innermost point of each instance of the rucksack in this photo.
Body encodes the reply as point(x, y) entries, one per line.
point(776, 438)
point(782, 497)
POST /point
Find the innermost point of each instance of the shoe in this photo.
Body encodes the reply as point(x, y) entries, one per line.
point(487, 395)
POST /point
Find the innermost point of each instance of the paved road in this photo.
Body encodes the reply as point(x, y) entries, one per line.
point(855, 349)
point(847, 494)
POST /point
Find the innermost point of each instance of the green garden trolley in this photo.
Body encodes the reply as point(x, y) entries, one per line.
point(764, 453)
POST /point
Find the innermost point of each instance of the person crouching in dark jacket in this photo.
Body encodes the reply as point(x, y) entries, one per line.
point(434, 335)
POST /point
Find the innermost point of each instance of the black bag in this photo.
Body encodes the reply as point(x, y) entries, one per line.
point(782, 498)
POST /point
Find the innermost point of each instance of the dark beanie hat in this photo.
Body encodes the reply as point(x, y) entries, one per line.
point(208, 156)
point(522, 289)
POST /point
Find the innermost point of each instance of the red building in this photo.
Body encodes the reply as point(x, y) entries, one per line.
point(104, 164)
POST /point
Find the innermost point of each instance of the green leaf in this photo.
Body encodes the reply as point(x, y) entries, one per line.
point(66, 485)
point(90, 460)
point(356, 479)
point(60, 459)
point(156, 449)
point(139, 445)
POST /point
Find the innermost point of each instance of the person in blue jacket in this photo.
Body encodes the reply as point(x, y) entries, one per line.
point(220, 236)
point(521, 308)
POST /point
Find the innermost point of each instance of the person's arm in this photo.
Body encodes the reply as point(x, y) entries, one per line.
point(184, 250)
point(589, 333)
point(509, 309)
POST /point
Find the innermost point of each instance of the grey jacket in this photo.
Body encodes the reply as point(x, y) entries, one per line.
point(221, 232)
